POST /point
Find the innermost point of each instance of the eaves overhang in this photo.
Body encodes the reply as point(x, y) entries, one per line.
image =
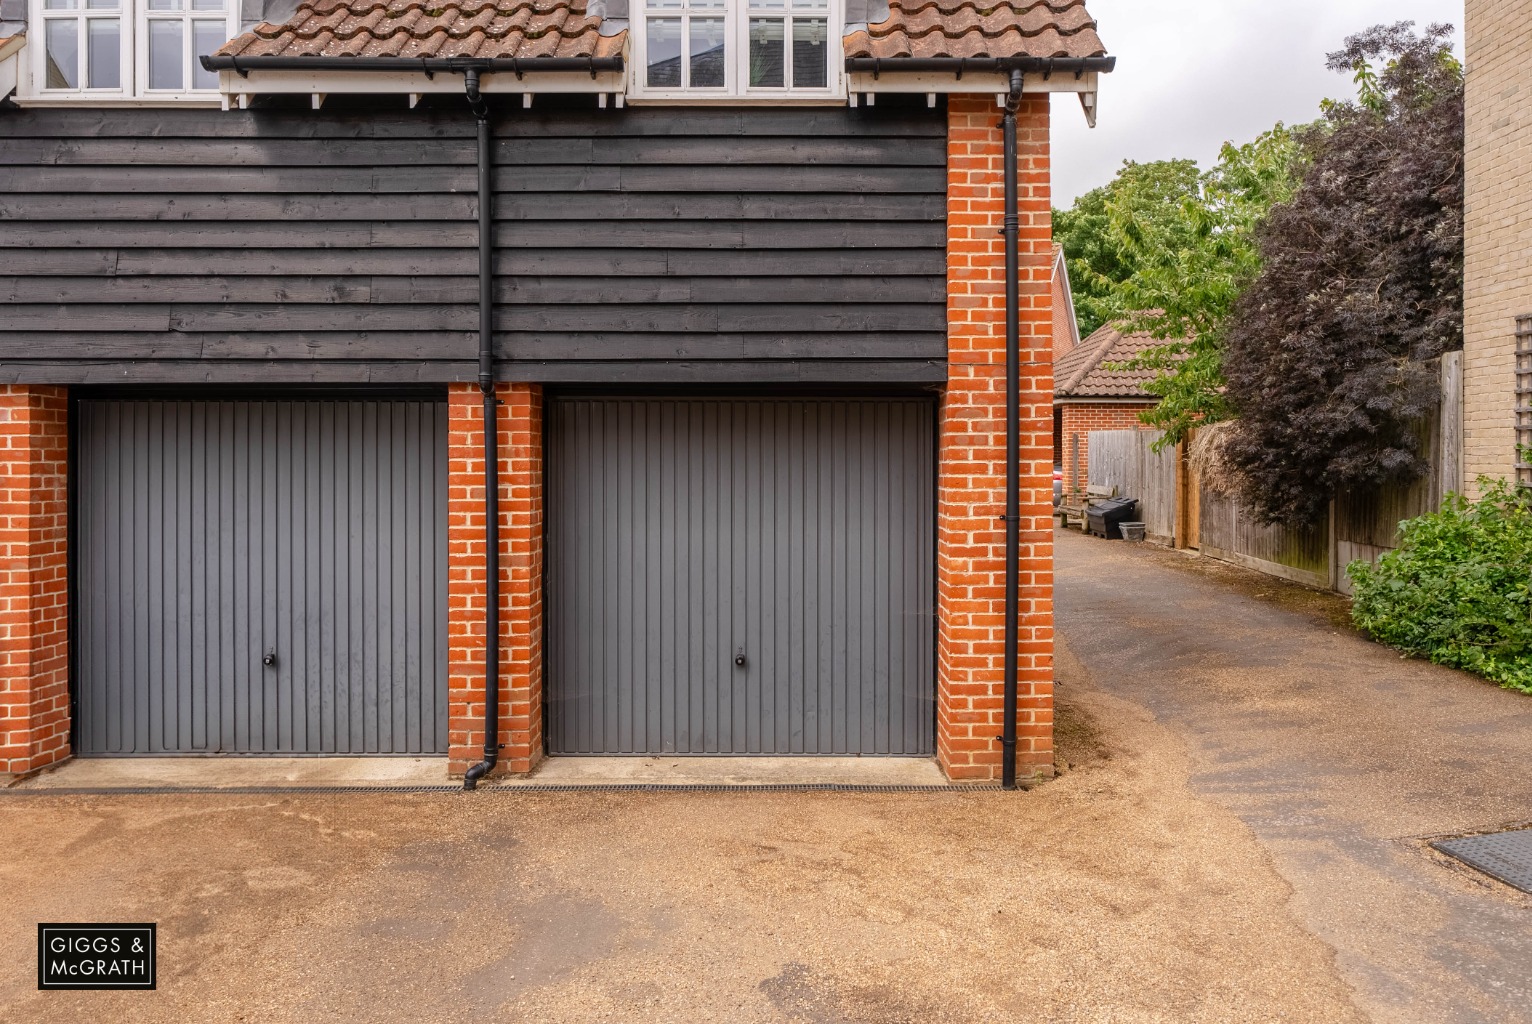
point(869, 76)
point(241, 78)
point(10, 62)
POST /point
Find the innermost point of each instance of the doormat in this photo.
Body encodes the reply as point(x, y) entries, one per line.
point(1503, 855)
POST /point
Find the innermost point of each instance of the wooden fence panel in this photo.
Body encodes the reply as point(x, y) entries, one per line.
point(1126, 460)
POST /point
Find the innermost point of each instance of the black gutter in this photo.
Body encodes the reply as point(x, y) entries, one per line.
point(491, 439)
point(418, 65)
point(1045, 66)
point(1012, 232)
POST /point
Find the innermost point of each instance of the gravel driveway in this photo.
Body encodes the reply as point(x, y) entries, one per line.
point(1155, 880)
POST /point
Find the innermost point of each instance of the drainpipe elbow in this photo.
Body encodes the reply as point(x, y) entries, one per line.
point(473, 775)
point(475, 98)
point(1013, 98)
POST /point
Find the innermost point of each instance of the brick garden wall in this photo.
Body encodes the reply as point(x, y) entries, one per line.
point(520, 420)
point(1498, 229)
point(34, 593)
point(1079, 419)
point(971, 483)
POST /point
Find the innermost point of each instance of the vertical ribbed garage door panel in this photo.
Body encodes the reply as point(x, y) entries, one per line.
point(212, 532)
point(684, 531)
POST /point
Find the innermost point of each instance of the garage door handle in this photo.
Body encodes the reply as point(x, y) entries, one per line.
point(269, 659)
point(739, 659)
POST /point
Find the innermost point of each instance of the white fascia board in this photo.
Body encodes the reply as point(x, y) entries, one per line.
point(986, 83)
point(982, 82)
point(412, 83)
point(10, 64)
point(9, 72)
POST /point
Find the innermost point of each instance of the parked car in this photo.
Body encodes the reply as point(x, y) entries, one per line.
point(1058, 484)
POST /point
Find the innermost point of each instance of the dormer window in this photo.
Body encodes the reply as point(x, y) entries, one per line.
point(728, 49)
point(127, 49)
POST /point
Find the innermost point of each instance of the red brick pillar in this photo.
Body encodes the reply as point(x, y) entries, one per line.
point(971, 484)
point(521, 576)
point(34, 586)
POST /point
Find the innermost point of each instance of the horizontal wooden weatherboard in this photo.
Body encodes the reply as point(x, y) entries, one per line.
point(393, 179)
point(223, 346)
point(631, 246)
point(390, 234)
point(578, 207)
point(823, 318)
point(464, 289)
point(696, 151)
point(721, 372)
point(448, 123)
point(899, 265)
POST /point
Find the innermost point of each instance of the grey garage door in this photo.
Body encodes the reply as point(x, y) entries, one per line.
point(794, 536)
point(213, 536)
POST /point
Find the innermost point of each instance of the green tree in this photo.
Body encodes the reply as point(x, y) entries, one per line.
point(1098, 266)
point(1189, 273)
point(1331, 359)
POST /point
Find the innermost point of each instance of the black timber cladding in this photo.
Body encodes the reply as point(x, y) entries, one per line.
point(645, 245)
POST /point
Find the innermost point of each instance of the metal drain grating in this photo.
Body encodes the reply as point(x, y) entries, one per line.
point(1503, 855)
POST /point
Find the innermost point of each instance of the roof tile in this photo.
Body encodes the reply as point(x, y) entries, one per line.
point(975, 28)
point(1082, 372)
point(412, 28)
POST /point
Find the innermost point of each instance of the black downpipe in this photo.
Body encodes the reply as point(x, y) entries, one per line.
point(491, 440)
point(1012, 429)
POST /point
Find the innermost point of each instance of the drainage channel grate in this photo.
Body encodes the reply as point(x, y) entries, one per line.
point(1503, 855)
point(618, 787)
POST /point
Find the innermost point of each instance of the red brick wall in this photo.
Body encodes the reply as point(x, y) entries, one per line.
point(34, 598)
point(520, 420)
point(1079, 419)
point(971, 484)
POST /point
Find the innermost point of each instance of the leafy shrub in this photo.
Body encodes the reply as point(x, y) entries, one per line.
point(1459, 588)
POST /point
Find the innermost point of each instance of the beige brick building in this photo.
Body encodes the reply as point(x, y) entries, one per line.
point(1498, 298)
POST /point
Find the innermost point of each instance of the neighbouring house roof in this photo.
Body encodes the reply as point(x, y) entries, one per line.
point(496, 29)
point(1066, 329)
point(1083, 373)
point(980, 28)
point(568, 28)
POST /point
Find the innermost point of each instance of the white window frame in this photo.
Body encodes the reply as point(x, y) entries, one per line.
point(737, 15)
point(133, 41)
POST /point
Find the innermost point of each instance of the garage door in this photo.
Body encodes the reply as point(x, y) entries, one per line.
point(261, 577)
point(732, 576)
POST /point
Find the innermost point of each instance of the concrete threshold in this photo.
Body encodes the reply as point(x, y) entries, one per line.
point(245, 773)
point(732, 771)
point(241, 772)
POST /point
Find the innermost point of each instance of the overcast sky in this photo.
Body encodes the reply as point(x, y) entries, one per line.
point(1192, 74)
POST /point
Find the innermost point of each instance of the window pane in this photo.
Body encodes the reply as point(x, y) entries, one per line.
point(770, 5)
point(767, 52)
point(63, 54)
point(167, 55)
point(811, 69)
point(709, 5)
point(707, 53)
point(103, 38)
point(811, 5)
point(664, 53)
point(209, 5)
point(103, 5)
point(667, 5)
point(164, 5)
point(207, 36)
point(59, 5)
